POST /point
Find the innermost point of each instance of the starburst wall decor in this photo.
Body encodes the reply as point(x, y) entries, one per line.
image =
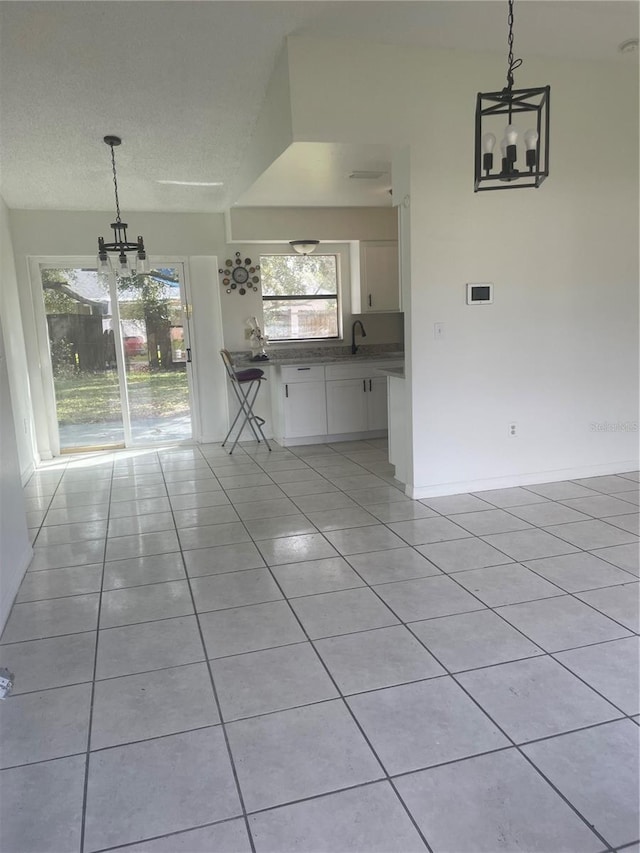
point(239, 276)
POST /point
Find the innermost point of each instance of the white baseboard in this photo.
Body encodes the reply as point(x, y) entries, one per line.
point(11, 584)
point(331, 439)
point(464, 486)
point(28, 471)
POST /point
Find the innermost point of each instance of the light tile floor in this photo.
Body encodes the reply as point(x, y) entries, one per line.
point(281, 652)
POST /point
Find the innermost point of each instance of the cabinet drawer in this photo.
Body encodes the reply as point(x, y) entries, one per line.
point(302, 373)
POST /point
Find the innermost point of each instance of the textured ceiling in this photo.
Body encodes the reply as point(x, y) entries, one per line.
point(182, 83)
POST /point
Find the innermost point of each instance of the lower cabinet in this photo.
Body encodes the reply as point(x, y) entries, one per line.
point(356, 405)
point(346, 406)
point(304, 409)
point(377, 410)
point(318, 402)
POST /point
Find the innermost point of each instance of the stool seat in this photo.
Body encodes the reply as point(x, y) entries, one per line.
point(240, 380)
point(249, 374)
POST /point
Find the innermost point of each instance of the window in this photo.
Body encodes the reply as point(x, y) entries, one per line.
point(300, 297)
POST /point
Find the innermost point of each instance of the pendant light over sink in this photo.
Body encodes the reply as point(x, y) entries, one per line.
point(120, 244)
point(519, 109)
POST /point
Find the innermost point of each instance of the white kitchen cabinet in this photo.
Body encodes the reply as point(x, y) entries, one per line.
point(356, 405)
point(377, 409)
point(347, 406)
point(379, 285)
point(319, 403)
point(304, 408)
point(398, 426)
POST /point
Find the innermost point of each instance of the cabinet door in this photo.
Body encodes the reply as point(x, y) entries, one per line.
point(377, 403)
point(379, 278)
point(305, 409)
point(347, 405)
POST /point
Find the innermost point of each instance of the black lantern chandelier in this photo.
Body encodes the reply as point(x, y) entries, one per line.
point(120, 244)
point(491, 109)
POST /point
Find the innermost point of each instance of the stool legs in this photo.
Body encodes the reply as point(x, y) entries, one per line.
point(246, 399)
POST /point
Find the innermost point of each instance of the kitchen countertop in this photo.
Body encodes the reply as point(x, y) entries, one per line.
point(395, 372)
point(320, 356)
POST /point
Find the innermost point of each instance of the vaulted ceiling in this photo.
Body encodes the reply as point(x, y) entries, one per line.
point(182, 83)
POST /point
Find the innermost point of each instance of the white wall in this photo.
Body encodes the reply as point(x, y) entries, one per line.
point(15, 548)
point(272, 133)
point(17, 451)
point(14, 341)
point(330, 224)
point(558, 350)
point(196, 237)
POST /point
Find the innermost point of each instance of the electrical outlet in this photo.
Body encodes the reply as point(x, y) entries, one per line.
point(513, 430)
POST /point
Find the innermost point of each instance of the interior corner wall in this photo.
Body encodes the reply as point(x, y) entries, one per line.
point(333, 224)
point(557, 351)
point(19, 398)
point(272, 133)
point(198, 237)
point(16, 446)
point(15, 547)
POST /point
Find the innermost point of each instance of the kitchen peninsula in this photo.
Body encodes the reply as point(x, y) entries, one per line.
point(328, 394)
point(397, 407)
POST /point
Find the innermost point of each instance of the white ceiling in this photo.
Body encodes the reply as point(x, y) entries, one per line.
point(182, 83)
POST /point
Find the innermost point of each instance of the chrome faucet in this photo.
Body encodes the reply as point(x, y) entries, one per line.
point(354, 348)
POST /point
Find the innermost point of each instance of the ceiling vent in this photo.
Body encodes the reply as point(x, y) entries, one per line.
point(363, 175)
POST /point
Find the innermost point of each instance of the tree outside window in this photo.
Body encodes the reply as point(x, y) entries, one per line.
point(300, 297)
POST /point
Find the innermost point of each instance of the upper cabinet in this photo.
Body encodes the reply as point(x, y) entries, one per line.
point(379, 280)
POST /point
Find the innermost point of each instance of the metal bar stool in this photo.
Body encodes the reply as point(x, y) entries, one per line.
point(245, 384)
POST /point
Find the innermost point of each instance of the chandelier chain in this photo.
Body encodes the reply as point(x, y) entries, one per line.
point(115, 183)
point(512, 63)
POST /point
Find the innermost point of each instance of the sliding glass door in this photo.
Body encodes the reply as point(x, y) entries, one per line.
point(156, 349)
point(119, 356)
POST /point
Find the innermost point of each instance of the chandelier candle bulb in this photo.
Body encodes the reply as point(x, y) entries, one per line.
point(511, 135)
point(531, 144)
point(505, 162)
point(488, 144)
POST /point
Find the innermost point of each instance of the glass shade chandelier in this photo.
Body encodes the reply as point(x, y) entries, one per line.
point(132, 257)
point(527, 107)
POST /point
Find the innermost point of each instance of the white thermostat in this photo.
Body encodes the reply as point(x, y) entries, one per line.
point(480, 293)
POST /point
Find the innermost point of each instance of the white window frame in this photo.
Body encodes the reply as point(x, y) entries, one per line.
point(338, 297)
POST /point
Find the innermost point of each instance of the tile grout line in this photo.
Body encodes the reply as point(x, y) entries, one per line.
point(514, 744)
point(471, 697)
point(218, 705)
point(368, 585)
point(85, 793)
point(627, 715)
point(349, 710)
